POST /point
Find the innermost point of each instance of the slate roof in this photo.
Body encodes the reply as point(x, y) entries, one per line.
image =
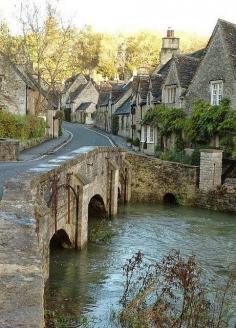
point(76, 93)
point(72, 79)
point(186, 68)
point(104, 97)
point(124, 109)
point(199, 54)
point(156, 84)
point(84, 106)
point(229, 34)
point(141, 85)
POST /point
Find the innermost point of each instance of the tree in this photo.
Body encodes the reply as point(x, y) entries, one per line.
point(85, 51)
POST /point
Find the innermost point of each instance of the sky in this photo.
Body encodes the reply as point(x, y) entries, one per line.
point(198, 16)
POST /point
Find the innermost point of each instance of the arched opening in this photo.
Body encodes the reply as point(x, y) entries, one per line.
point(97, 223)
point(60, 239)
point(169, 199)
point(119, 194)
point(96, 208)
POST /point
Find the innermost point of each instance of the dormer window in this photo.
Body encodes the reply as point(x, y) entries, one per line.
point(216, 92)
point(170, 94)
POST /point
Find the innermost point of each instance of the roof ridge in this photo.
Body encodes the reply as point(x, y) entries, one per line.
point(226, 41)
point(220, 20)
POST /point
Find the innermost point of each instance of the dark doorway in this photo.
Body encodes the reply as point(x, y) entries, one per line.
point(169, 199)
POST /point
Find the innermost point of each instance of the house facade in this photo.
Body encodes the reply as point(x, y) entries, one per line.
point(178, 82)
point(21, 93)
point(80, 98)
point(215, 77)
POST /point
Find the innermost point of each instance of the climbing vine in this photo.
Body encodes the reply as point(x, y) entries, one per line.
point(168, 120)
point(206, 121)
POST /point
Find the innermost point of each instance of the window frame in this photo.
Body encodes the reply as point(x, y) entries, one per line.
point(170, 94)
point(216, 92)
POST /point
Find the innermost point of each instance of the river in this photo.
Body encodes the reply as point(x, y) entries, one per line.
point(89, 282)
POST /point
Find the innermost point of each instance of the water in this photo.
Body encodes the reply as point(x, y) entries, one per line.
point(90, 282)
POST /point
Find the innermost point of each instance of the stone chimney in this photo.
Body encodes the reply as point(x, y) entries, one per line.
point(170, 47)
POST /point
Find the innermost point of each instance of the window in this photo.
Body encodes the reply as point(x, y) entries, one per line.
point(151, 134)
point(216, 92)
point(147, 134)
point(170, 94)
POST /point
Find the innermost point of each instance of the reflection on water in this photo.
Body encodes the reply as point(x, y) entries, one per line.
point(90, 281)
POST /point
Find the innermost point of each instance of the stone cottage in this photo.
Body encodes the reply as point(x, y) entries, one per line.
point(140, 89)
point(103, 107)
point(21, 93)
point(122, 108)
point(215, 77)
point(80, 98)
point(168, 86)
point(109, 94)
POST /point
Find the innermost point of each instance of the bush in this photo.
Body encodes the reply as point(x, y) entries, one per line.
point(171, 293)
point(21, 127)
point(136, 142)
point(115, 124)
point(195, 157)
point(174, 156)
point(227, 144)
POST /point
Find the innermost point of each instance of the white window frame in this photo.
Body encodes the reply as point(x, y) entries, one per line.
point(147, 134)
point(151, 134)
point(216, 88)
point(170, 91)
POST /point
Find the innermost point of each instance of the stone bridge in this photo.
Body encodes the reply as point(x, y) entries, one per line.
point(52, 202)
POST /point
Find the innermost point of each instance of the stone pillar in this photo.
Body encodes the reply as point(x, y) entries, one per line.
point(9, 150)
point(210, 169)
point(114, 192)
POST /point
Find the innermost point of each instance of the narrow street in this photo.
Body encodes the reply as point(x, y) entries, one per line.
point(82, 136)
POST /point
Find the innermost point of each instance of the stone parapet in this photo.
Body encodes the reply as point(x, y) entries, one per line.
point(153, 178)
point(210, 169)
point(9, 149)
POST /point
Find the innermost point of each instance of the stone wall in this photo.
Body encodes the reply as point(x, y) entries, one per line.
point(220, 199)
point(37, 204)
point(13, 93)
point(9, 150)
point(210, 169)
point(153, 178)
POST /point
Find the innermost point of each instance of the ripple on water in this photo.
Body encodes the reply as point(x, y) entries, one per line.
point(90, 281)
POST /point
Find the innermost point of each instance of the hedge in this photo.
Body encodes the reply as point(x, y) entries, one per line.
point(21, 127)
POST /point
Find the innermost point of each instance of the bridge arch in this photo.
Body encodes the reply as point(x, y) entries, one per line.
point(169, 199)
point(96, 207)
point(60, 239)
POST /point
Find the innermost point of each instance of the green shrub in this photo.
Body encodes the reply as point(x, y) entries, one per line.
point(21, 127)
point(175, 156)
point(195, 157)
point(136, 142)
point(115, 124)
point(227, 145)
point(129, 140)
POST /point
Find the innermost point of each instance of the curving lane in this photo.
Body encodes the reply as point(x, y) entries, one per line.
point(82, 136)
